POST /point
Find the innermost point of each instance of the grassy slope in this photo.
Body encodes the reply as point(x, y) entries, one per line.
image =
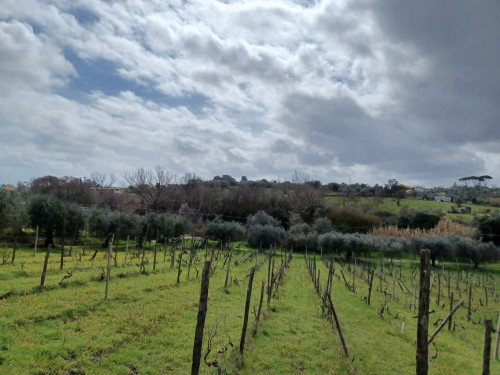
point(148, 324)
point(390, 204)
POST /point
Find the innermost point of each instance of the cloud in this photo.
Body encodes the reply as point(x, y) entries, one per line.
point(374, 89)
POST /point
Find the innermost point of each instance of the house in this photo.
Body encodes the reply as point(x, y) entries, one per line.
point(9, 187)
point(443, 198)
point(464, 210)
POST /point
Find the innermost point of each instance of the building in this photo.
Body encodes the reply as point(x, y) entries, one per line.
point(443, 198)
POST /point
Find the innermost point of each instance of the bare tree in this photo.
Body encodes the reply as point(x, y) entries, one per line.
point(151, 185)
point(303, 197)
point(102, 180)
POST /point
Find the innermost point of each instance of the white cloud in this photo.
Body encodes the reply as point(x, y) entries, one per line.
point(334, 88)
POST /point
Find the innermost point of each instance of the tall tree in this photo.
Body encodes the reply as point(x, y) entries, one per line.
point(151, 185)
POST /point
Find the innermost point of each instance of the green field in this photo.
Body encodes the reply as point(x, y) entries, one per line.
point(372, 204)
point(147, 325)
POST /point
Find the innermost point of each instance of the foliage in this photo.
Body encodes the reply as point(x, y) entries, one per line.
point(301, 236)
point(263, 230)
point(418, 220)
point(351, 219)
point(322, 225)
point(13, 212)
point(489, 227)
point(46, 212)
point(224, 231)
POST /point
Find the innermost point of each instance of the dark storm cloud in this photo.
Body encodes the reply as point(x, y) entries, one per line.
point(373, 89)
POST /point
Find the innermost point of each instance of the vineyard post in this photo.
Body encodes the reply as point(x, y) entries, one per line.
point(36, 240)
point(370, 288)
point(44, 272)
point(451, 306)
point(156, 249)
point(108, 268)
point(62, 244)
point(247, 308)
point(469, 313)
point(179, 269)
point(269, 279)
point(200, 322)
point(497, 339)
point(332, 308)
point(126, 251)
point(487, 346)
point(422, 355)
point(262, 298)
point(439, 289)
point(190, 261)
point(228, 267)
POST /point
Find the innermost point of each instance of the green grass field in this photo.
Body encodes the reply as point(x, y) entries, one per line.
point(147, 325)
point(371, 204)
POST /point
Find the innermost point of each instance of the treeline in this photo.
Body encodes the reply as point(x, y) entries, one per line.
point(53, 217)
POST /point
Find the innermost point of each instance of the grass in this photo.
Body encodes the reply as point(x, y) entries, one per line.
point(147, 324)
point(390, 205)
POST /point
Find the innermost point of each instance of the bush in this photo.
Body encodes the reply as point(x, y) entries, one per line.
point(264, 230)
point(264, 235)
point(489, 227)
point(224, 230)
point(351, 220)
point(322, 225)
point(418, 220)
point(300, 237)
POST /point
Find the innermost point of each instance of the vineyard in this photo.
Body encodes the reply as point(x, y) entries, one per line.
point(268, 311)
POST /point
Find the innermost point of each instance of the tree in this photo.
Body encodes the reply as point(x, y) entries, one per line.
point(263, 230)
point(224, 231)
point(151, 185)
point(54, 216)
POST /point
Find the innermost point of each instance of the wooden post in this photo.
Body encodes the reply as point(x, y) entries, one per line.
point(126, 251)
point(332, 308)
point(108, 269)
point(469, 313)
point(422, 355)
point(451, 305)
point(190, 261)
point(200, 322)
point(179, 269)
point(269, 279)
point(62, 244)
point(487, 346)
point(36, 240)
point(443, 323)
point(438, 300)
point(247, 309)
point(156, 249)
point(262, 298)
point(497, 340)
point(228, 266)
point(370, 288)
point(44, 272)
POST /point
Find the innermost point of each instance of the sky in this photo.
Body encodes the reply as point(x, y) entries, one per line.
point(359, 90)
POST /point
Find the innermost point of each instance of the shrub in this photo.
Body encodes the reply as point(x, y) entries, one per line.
point(224, 230)
point(264, 235)
point(489, 227)
point(322, 225)
point(418, 220)
point(351, 219)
